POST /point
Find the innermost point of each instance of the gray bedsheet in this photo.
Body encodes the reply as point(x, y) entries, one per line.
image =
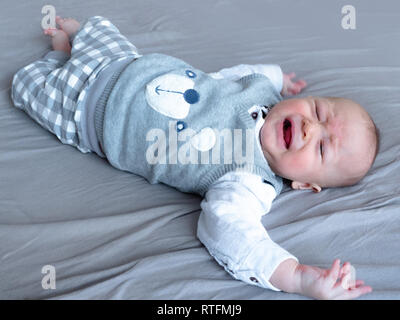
point(111, 235)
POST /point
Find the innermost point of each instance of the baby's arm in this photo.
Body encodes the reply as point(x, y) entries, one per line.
point(281, 81)
point(231, 229)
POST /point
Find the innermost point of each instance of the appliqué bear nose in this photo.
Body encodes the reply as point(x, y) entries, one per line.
point(191, 96)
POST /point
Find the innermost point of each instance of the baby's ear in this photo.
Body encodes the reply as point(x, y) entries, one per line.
point(305, 185)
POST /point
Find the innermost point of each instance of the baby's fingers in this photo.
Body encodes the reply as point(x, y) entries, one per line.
point(291, 75)
point(356, 292)
point(301, 83)
point(359, 283)
point(50, 31)
point(348, 288)
point(333, 273)
point(343, 272)
point(297, 86)
point(345, 269)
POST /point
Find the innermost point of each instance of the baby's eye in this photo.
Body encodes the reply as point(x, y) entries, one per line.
point(321, 148)
point(316, 111)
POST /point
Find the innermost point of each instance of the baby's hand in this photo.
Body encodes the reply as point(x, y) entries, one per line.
point(291, 88)
point(329, 283)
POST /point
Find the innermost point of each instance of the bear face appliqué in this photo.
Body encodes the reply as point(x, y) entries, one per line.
point(172, 95)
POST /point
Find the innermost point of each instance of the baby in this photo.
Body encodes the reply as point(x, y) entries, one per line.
point(95, 91)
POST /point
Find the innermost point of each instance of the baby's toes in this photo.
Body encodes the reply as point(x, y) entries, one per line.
point(69, 25)
point(59, 21)
point(50, 32)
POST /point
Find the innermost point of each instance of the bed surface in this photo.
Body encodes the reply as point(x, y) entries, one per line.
point(111, 235)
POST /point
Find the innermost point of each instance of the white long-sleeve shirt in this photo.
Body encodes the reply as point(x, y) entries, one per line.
point(230, 222)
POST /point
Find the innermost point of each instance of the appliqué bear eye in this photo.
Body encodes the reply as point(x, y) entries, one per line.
point(180, 125)
point(190, 74)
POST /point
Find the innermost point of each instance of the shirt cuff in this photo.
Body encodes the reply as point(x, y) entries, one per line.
point(274, 73)
point(257, 268)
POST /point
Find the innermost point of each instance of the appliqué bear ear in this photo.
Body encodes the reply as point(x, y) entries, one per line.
point(264, 114)
point(268, 108)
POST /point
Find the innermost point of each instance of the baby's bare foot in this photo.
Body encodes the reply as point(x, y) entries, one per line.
point(59, 39)
point(69, 25)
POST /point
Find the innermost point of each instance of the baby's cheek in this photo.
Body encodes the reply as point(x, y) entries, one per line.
point(295, 165)
point(294, 106)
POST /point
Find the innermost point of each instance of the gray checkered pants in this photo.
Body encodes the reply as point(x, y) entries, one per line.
point(51, 90)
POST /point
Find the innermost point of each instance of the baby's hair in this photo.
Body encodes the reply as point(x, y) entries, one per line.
point(375, 135)
point(377, 141)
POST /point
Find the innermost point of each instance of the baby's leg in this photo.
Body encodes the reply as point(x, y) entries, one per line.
point(38, 89)
point(52, 90)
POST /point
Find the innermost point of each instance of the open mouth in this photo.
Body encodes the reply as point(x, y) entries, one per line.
point(287, 133)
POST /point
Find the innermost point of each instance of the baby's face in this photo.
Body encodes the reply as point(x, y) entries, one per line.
point(316, 140)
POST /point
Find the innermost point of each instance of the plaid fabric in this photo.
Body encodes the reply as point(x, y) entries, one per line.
point(51, 90)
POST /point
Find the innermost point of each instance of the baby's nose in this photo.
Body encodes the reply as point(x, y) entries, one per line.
point(308, 129)
point(305, 129)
